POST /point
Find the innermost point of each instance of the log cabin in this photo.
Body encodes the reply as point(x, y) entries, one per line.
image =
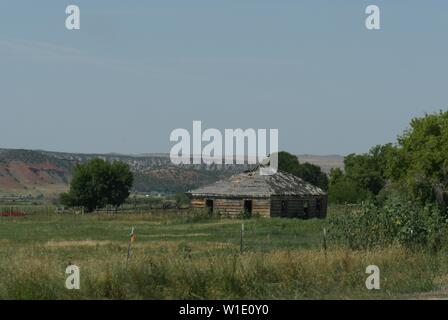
point(278, 195)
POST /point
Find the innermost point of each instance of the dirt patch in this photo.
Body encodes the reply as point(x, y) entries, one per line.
point(167, 235)
point(173, 245)
point(79, 243)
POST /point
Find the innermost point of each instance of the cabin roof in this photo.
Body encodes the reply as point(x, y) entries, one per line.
point(252, 184)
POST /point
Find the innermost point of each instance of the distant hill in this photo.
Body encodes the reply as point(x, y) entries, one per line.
point(325, 162)
point(43, 172)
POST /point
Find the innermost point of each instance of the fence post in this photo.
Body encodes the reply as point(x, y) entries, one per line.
point(324, 245)
point(131, 239)
point(242, 239)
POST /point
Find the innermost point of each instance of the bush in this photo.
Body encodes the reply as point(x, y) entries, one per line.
point(346, 191)
point(398, 221)
point(181, 200)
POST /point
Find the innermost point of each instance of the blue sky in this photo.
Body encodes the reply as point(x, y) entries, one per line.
point(139, 69)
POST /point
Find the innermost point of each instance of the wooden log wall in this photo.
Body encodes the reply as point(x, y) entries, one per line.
point(234, 206)
point(261, 207)
point(295, 207)
point(197, 203)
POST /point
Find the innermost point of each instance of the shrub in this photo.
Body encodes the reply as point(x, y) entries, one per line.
point(181, 200)
point(346, 191)
point(398, 221)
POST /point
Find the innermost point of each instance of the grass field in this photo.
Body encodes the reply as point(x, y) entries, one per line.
point(188, 256)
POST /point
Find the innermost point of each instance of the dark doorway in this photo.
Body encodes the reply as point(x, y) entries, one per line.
point(318, 205)
point(248, 206)
point(306, 208)
point(209, 205)
point(284, 207)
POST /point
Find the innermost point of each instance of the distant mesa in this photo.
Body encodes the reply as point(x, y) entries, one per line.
point(45, 172)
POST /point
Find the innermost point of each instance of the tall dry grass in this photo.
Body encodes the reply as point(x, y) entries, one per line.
point(178, 272)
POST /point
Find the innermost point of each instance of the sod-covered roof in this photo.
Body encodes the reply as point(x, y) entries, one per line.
point(252, 184)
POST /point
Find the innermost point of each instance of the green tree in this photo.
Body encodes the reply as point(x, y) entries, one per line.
point(343, 190)
point(288, 162)
point(313, 174)
point(423, 151)
point(119, 183)
point(181, 199)
point(307, 171)
point(336, 175)
point(98, 183)
point(66, 199)
point(346, 191)
point(417, 164)
point(365, 170)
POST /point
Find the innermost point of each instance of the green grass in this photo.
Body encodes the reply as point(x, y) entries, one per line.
point(185, 256)
point(260, 234)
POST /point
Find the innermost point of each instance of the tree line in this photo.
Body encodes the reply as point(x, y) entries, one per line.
point(415, 165)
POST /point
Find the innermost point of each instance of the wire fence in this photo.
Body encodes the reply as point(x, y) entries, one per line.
point(46, 210)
